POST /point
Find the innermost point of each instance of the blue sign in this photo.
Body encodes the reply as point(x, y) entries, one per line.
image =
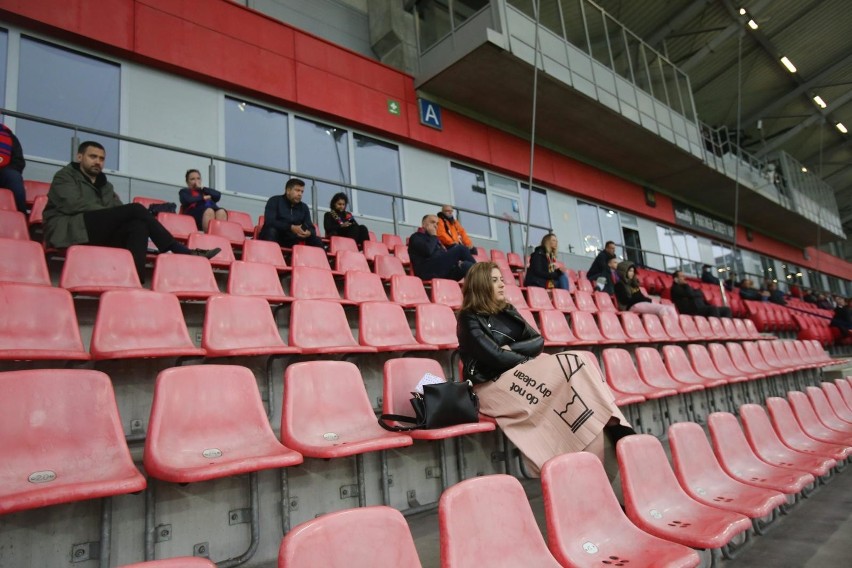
point(430, 114)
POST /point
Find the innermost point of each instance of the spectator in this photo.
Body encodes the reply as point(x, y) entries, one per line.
point(497, 345)
point(430, 259)
point(606, 282)
point(601, 262)
point(630, 298)
point(199, 202)
point(340, 222)
point(809, 296)
point(749, 292)
point(690, 301)
point(82, 208)
point(12, 166)
point(287, 220)
point(776, 296)
point(842, 319)
point(543, 271)
point(451, 232)
point(824, 302)
point(707, 275)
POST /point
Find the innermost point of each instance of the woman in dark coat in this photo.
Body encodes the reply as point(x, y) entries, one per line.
point(341, 223)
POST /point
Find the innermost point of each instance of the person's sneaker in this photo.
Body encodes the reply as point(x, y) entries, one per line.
point(206, 253)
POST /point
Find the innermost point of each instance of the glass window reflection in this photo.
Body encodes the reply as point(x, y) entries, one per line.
point(469, 193)
point(322, 151)
point(259, 135)
point(377, 166)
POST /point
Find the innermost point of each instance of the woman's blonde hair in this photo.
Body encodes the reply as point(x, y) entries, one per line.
point(478, 290)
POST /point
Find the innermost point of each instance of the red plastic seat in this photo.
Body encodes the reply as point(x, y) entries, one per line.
point(835, 399)
point(621, 374)
point(363, 287)
point(584, 285)
point(722, 359)
point(487, 521)
point(266, 252)
point(738, 357)
point(586, 526)
point(390, 240)
point(383, 325)
point(320, 326)
point(672, 328)
point(813, 425)
point(177, 562)
point(633, 328)
point(139, 323)
point(585, 302)
point(604, 303)
point(742, 332)
point(654, 328)
point(205, 241)
point(372, 249)
point(766, 444)
point(791, 433)
point(610, 327)
point(34, 189)
point(224, 431)
point(401, 252)
point(7, 200)
point(621, 398)
point(36, 217)
point(23, 262)
point(369, 537)
point(704, 366)
point(348, 260)
point(755, 357)
point(146, 201)
point(586, 330)
point(62, 439)
point(256, 279)
point(401, 376)
point(751, 330)
point(94, 270)
point(717, 328)
point(232, 232)
point(740, 462)
point(515, 296)
point(446, 292)
point(825, 412)
point(241, 325)
point(729, 327)
point(681, 369)
point(702, 477)
point(311, 283)
point(555, 329)
point(702, 325)
point(180, 226)
point(655, 502)
point(38, 323)
point(538, 299)
point(563, 300)
point(242, 219)
point(187, 277)
point(687, 325)
point(386, 266)
point(13, 225)
point(326, 412)
point(308, 256)
point(408, 291)
point(435, 324)
point(338, 244)
point(515, 261)
point(653, 372)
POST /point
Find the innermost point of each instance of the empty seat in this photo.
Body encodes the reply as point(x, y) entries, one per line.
point(515, 296)
point(610, 327)
point(401, 252)
point(739, 359)
point(722, 359)
point(687, 325)
point(7, 200)
point(435, 324)
point(320, 326)
point(835, 399)
point(140, 323)
point(515, 261)
point(337, 244)
point(383, 325)
point(562, 300)
point(622, 375)
point(313, 257)
point(681, 369)
point(13, 225)
point(256, 279)
point(487, 521)
point(241, 325)
point(386, 266)
point(586, 526)
point(401, 376)
point(812, 424)
point(180, 226)
point(363, 287)
point(702, 324)
point(407, 291)
point(655, 502)
point(585, 302)
point(146, 201)
point(672, 328)
point(390, 240)
point(604, 303)
point(23, 262)
point(242, 219)
point(740, 462)
point(370, 537)
point(654, 328)
point(187, 277)
point(755, 357)
point(702, 477)
point(446, 292)
point(555, 329)
point(351, 260)
point(730, 328)
point(94, 270)
point(177, 562)
point(791, 433)
point(704, 366)
point(310, 283)
point(653, 371)
point(62, 439)
point(232, 232)
point(38, 322)
point(766, 444)
point(825, 412)
point(266, 252)
point(34, 189)
point(538, 299)
point(372, 249)
point(326, 412)
point(204, 241)
point(223, 432)
point(586, 330)
point(36, 217)
point(633, 328)
point(584, 285)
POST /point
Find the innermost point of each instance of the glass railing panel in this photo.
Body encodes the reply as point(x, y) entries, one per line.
point(575, 28)
point(465, 9)
point(433, 22)
point(618, 45)
point(551, 17)
point(597, 34)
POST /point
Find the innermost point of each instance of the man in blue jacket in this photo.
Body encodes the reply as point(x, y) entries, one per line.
point(287, 221)
point(430, 259)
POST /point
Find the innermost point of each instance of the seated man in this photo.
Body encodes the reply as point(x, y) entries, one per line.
point(707, 275)
point(287, 221)
point(690, 301)
point(451, 232)
point(200, 202)
point(749, 292)
point(776, 296)
point(600, 266)
point(12, 166)
point(430, 259)
point(82, 208)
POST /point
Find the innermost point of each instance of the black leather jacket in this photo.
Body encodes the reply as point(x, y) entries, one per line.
point(480, 342)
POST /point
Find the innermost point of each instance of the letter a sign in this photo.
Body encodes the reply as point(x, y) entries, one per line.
point(430, 114)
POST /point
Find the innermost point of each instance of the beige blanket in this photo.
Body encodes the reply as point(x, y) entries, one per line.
point(551, 405)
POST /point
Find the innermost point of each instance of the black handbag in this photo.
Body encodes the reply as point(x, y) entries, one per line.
point(440, 405)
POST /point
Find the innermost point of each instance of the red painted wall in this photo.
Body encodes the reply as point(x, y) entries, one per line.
point(228, 45)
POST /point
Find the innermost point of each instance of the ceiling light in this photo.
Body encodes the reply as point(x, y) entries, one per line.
point(788, 64)
point(804, 170)
point(742, 11)
point(818, 100)
point(841, 128)
point(752, 24)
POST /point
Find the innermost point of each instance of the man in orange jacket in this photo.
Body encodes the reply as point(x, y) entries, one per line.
point(451, 232)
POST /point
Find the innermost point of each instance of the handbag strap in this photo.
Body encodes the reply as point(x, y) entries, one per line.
point(400, 418)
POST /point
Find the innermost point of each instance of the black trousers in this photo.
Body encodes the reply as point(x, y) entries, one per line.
point(129, 227)
point(287, 238)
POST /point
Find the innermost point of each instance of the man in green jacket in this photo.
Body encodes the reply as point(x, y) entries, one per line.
point(82, 208)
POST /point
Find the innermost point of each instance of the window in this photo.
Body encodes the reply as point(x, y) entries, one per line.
point(539, 212)
point(590, 229)
point(469, 193)
point(680, 250)
point(377, 166)
point(4, 52)
point(322, 151)
point(433, 22)
point(67, 86)
point(258, 135)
